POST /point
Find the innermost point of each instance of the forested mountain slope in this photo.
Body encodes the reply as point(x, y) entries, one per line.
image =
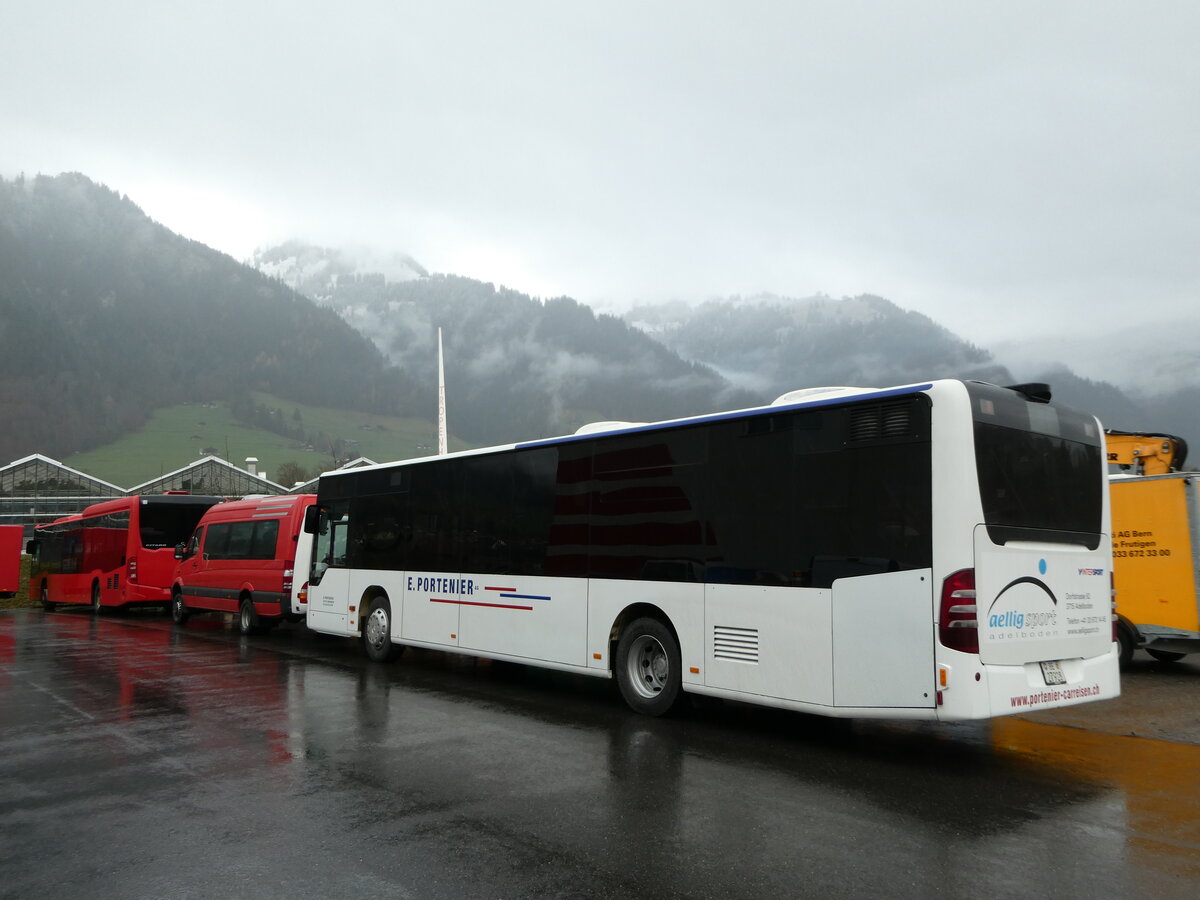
point(106, 315)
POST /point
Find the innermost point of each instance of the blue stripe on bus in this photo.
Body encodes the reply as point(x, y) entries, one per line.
point(729, 416)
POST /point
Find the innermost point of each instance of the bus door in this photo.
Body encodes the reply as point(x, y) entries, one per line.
point(329, 584)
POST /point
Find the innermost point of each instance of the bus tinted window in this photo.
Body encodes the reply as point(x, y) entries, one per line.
point(167, 524)
point(1036, 480)
point(435, 520)
point(807, 498)
point(1037, 468)
point(378, 531)
point(508, 511)
point(647, 501)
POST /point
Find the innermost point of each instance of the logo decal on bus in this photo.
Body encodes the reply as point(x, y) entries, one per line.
point(1028, 579)
point(1024, 621)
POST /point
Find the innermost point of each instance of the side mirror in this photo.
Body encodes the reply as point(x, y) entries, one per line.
point(181, 551)
point(31, 547)
point(312, 520)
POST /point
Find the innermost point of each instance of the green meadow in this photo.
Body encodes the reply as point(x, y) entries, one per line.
point(179, 435)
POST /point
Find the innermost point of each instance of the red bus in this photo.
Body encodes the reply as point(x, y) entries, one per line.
point(113, 554)
point(10, 559)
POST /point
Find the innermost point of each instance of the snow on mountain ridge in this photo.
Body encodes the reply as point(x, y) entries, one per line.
point(315, 271)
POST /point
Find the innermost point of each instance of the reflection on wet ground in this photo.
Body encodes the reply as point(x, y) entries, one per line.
point(187, 763)
point(1156, 785)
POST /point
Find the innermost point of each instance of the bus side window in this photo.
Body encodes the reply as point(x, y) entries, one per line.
point(339, 529)
point(329, 545)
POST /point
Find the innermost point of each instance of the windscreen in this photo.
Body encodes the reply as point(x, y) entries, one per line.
point(1041, 469)
point(165, 523)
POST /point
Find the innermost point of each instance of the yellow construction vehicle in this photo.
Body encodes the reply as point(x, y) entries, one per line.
point(1145, 454)
point(1156, 545)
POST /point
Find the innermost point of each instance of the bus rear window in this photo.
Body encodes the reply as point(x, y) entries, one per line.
point(1029, 480)
point(168, 524)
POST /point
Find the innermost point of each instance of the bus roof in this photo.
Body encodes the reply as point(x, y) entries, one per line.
point(810, 400)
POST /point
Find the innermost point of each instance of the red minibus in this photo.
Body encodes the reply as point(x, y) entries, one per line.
point(116, 553)
point(242, 559)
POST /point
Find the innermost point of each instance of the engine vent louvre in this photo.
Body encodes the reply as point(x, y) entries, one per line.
point(881, 420)
point(736, 644)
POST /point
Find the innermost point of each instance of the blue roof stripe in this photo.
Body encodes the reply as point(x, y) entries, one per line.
point(728, 416)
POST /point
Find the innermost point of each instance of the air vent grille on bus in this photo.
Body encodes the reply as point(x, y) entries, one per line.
point(737, 644)
point(882, 420)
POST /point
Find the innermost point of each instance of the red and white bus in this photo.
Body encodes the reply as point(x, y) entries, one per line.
point(114, 554)
point(937, 551)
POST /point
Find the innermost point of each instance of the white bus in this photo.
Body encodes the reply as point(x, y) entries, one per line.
point(937, 551)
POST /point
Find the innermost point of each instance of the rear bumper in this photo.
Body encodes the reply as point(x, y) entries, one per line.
point(1020, 689)
point(133, 593)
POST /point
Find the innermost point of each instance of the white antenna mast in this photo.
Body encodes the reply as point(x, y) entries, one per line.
point(441, 399)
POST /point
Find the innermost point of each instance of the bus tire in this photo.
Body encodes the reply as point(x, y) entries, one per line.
point(377, 631)
point(96, 604)
point(1125, 644)
point(247, 619)
point(44, 596)
point(1166, 655)
point(649, 667)
point(179, 610)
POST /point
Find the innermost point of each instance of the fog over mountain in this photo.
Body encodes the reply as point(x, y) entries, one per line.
point(105, 315)
point(776, 344)
point(759, 346)
point(516, 366)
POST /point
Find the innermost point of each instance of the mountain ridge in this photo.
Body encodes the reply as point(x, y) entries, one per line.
point(106, 315)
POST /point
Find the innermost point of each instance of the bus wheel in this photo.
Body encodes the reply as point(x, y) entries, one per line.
point(45, 598)
point(1125, 645)
point(96, 597)
point(248, 618)
point(179, 610)
point(1166, 655)
point(377, 631)
point(648, 667)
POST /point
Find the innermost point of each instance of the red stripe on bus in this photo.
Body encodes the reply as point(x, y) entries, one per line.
point(475, 603)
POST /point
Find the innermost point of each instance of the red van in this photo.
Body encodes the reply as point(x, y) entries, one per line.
point(242, 559)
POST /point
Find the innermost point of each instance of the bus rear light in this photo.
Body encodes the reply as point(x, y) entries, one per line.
point(288, 573)
point(302, 594)
point(958, 621)
point(131, 570)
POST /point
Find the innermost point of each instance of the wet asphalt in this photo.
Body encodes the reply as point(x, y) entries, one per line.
point(141, 760)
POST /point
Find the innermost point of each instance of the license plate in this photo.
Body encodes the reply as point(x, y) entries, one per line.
point(1053, 673)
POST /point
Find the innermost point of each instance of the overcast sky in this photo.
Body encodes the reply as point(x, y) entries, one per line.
point(1010, 169)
